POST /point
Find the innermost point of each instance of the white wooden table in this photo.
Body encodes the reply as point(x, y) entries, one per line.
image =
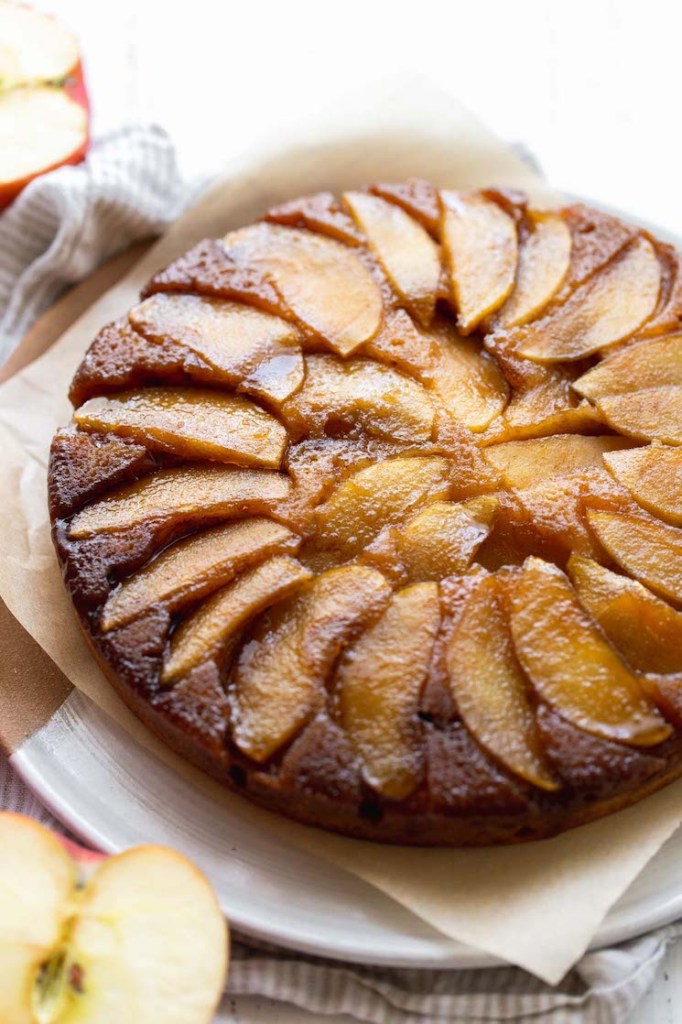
point(591, 87)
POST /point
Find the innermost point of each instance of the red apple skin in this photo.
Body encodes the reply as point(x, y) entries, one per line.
point(85, 858)
point(76, 89)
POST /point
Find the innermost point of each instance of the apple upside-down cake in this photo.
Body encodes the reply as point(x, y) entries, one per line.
point(373, 511)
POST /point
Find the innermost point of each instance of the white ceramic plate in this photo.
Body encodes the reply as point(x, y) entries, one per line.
point(114, 794)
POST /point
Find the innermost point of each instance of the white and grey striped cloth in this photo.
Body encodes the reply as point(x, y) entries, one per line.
point(60, 229)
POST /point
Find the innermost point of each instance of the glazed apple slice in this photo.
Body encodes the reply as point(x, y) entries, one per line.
point(648, 364)
point(616, 603)
point(572, 666)
point(378, 685)
point(279, 682)
point(544, 259)
point(653, 476)
point(480, 247)
point(378, 496)
point(207, 631)
point(182, 494)
point(525, 463)
point(443, 538)
point(324, 284)
point(360, 392)
point(549, 407)
point(488, 686)
point(608, 308)
point(194, 567)
point(654, 414)
point(407, 253)
point(233, 338)
point(135, 937)
point(193, 422)
point(650, 551)
point(468, 382)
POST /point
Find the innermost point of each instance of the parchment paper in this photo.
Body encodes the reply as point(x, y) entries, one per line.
point(536, 905)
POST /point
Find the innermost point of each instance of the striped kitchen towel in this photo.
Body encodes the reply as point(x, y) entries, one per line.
point(60, 229)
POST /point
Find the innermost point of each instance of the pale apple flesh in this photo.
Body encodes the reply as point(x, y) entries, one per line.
point(378, 685)
point(183, 494)
point(192, 568)
point(140, 937)
point(653, 476)
point(481, 248)
point(488, 685)
point(406, 251)
point(572, 666)
point(279, 681)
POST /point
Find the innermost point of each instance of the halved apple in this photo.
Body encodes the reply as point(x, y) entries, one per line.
point(643, 365)
point(359, 392)
point(544, 258)
point(192, 568)
point(481, 248)
point(650, 551)
point(206, 631)
point(194, 422)
point(279, 682)
point(443, 538)
point(182, 494)
point(572, 666)
point(654, 414)
point(405, 250)
point(653, 476)
point(608, 308)
point(378, 496)
point(525, 463)
point(326, 286)
point(138, 936)
point(233, 338)
point(487, 684)
point(645, 629)
point(378, 685)
point(44, 110)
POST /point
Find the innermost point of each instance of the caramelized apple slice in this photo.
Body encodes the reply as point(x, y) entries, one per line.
point(480, 246)
point(193, 422)
point(488, 686)
point(648, 550)
point(204, 633)
point(469, 383)
point(548, 408)
point(378, 686)
point(360, 392)
point(648, 364)
point(609, 307)
point(645, 629)
point(327, 287)
point(525, 463)
point(443, 538)
point(233, 338)
point(405, 250)
point(653, 476)
point(378, 496)
point(281, 674)
point(192, 568)
point(544, 258)
point(654, 414)
point(182, 494)
point(572, 666)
